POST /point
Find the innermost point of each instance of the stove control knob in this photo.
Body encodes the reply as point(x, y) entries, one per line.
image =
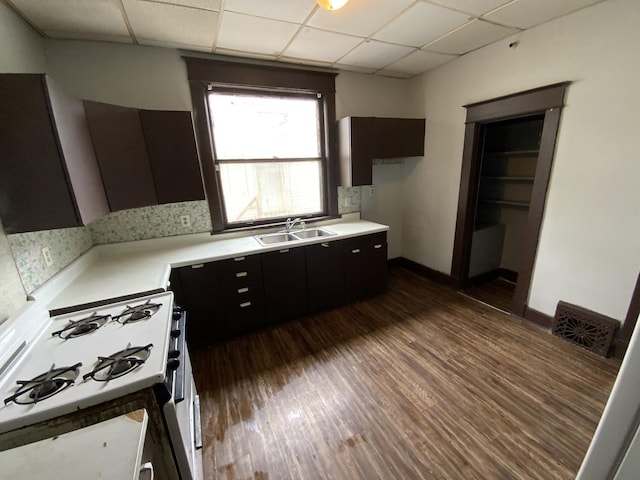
point(173, 364)
point(175, 333)
point(177, 313)
point(174, 353)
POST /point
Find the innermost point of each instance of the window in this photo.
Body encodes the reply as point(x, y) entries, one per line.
point(265, 137)
point(269, 154)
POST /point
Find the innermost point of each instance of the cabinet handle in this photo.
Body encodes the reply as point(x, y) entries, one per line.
point(243, 290)
point(245, 304)
point(241, 274)
point(285, 250)
point(378, 246)
point(355, 250)
point(199, 265)
point(325, 245)
point(238, 259)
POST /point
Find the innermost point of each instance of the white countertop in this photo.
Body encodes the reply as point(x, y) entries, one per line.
point(107, 450)
point(120, 269)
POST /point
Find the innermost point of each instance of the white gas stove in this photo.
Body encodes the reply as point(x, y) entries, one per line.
point(51, 367)
point(83, 338)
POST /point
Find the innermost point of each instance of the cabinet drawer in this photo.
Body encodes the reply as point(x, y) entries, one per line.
point(374, 241)
point(238, 274)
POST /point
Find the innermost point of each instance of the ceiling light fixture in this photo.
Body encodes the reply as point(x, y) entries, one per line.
point(332, 4)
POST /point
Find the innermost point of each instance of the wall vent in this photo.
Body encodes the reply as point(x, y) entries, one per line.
point(587, 329)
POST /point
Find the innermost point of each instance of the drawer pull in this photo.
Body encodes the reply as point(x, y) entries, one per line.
point(284, 250)
point(241, 274)
point(355, 250)
point(245, 304)
point(325, 245)
point(243, 290)
point(198, 265)
point(378, 246)
point(238, 259)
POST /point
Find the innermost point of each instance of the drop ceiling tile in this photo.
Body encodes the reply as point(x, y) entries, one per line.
point(203, 4)
point(319, 45)
point(267, 36)
point(352, 68)
point(92, 37)
point(295, 11)
point(75, 18)
point(528, 13)
point(358, 17)
point(236, 53)
point(161, 22)
point(421, 24)
point(474, 34)
point(419, 62)
point(474, 7)
point(374, 54)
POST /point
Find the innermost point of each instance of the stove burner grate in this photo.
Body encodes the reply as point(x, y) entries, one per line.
point(45, 385)
point(84, 326)
point(138, 312)
point(119, 364)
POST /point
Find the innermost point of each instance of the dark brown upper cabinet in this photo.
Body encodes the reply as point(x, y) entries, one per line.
point(147, 157)
point(122, 155)
point(171, 145)
point(362, 139)
point(49, 177)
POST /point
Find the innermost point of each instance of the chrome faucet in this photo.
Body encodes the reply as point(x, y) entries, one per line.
point(290, 223)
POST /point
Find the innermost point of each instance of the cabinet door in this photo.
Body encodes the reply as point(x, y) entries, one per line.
point(173, 156)
point(365, 266)
point(285, 284)
point(243, 299)
point(398, 137)
point(121, 151)
point(325, 275)
point(201, 297)
point(34, 193)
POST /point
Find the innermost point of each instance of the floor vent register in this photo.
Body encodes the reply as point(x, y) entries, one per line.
point(587, 329)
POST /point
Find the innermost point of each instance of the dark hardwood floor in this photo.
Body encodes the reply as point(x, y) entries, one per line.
point(421, 382)
point(497, 293)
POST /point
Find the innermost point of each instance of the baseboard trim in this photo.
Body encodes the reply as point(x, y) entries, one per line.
point(538, 318)
point(424, 271)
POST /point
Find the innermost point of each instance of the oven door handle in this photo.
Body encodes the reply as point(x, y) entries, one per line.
point(178, 378)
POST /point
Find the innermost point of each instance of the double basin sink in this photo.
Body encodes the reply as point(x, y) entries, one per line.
point(268, 239)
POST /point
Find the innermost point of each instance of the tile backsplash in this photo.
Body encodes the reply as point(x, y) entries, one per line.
point(151, 222)
point(64, 244)
point(156, 221)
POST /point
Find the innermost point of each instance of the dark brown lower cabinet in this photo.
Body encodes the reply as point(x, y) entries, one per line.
point(284, 274)
point(197, 290)
point(365, 266)
point(325, 275)
point(241, 286)
point(236, 296)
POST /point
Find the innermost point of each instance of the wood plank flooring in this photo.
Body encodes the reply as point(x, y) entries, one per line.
point(421, 382)
point(497, 293)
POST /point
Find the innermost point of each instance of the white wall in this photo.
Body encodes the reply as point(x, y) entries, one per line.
point(589, 253)
point(148, 77)
point(136, 76)
point(20, 52)
point(368, 96)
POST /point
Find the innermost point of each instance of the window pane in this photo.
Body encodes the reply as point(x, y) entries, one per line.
point(256, 191)
point(251, 126)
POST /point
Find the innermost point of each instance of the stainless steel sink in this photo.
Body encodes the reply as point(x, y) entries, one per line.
point(295, 236)
point(313, 233)
point(272, 238)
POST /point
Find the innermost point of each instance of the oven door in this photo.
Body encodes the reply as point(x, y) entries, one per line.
point(182, 414)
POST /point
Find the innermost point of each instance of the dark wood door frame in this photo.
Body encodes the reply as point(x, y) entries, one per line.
point(548, 101)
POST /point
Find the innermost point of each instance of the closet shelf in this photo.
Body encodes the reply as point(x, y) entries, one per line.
point(507, 203)
point(509, 179)
point(513, 153)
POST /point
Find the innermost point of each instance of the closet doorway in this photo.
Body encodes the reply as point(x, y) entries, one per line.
point(508, 152)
